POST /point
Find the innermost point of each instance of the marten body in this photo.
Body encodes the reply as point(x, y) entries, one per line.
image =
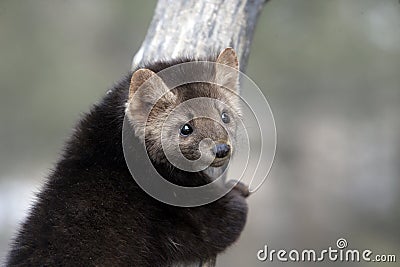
point(91, 212)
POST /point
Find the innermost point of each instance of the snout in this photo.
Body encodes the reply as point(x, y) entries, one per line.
point(221, 150)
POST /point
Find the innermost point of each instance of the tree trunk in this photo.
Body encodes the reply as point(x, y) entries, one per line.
point(197, 28)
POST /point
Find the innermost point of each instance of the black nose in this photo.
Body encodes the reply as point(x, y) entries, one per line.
point(221, 150)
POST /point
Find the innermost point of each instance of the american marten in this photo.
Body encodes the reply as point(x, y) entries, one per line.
point(91, 212)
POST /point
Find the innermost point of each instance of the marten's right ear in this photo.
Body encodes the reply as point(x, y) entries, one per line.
point(145, 90)
point(148, 87)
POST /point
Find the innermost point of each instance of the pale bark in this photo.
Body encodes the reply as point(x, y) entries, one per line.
point(196, 28)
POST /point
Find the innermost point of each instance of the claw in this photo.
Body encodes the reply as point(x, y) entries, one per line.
point(239, 186)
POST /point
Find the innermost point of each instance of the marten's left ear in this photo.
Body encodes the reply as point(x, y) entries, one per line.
point(227, 69)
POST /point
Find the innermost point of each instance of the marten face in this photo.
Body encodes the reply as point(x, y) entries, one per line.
point(202, 122)
point(193, 123)
point(217, 142)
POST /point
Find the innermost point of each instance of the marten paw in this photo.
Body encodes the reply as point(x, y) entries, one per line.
point(239, 187)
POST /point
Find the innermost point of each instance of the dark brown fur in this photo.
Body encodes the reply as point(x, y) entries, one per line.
point(92, 213)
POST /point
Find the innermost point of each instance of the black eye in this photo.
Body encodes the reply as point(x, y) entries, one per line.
point(186, 130)
point(225, 117)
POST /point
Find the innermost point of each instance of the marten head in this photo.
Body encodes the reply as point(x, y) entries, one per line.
point(195, 121)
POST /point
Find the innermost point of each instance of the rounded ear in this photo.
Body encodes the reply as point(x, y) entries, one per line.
point(229, 58)
point(227, 69)
point(149, 87)
point(137, 79)
point(145, 91)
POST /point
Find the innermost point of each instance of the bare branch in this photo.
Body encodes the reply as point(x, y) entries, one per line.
point(197, 27)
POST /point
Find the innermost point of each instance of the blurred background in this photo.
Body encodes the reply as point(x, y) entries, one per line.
point(331, 73)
